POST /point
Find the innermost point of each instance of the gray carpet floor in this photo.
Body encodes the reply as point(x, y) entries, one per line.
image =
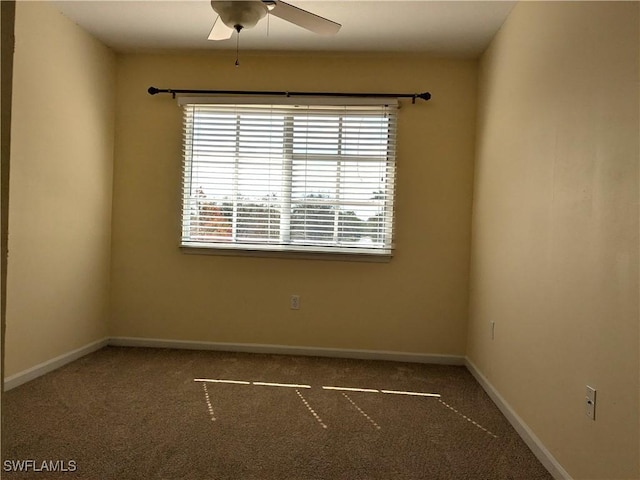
point(134, 413)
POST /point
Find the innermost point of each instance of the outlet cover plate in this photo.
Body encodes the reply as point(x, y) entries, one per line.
point(295, 302)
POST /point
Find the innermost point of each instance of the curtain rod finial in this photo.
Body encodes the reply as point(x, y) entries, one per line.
point(153, 90)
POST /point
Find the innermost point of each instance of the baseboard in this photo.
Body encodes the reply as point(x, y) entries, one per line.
point(289, 350)
point(26, 375)
point(34, 372)
point(532, 441)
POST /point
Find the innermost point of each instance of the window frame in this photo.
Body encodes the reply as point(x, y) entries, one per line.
point(286, 247)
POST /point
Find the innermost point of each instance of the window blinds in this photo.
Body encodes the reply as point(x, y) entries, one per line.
point(315, 178)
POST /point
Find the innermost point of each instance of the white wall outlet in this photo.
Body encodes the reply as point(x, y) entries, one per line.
point(590, 403)
point(295, 302)
point(492, 329)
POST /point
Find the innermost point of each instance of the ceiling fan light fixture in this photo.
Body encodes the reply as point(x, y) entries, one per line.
point(245, 14)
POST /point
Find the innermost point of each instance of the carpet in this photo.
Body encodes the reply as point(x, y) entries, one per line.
point(136, 413)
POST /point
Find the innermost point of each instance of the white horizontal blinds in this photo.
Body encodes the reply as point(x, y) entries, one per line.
point(318, 178)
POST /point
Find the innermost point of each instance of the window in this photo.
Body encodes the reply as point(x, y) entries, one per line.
point(307, 178)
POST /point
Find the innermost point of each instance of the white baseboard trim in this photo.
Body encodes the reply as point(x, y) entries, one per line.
point(34, 372)
point(532, 441)
point(289, 350)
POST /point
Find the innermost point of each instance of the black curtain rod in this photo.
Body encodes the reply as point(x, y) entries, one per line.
point(412, 96)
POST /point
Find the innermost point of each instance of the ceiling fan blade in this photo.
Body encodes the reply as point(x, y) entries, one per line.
point(220, 31)
point(303, 18)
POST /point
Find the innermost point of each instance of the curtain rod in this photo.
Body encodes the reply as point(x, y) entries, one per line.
point(424, 96)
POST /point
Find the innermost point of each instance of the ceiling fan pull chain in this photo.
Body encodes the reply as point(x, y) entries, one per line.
point(238, 51)
point(238, 28)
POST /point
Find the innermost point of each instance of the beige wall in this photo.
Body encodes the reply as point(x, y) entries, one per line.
point(60, 188)
point(555, 229)
point(416, 303)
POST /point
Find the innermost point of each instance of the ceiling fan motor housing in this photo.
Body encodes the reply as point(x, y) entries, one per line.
point(243, 14)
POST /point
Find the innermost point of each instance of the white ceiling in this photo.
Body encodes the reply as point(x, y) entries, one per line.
point(444, 28)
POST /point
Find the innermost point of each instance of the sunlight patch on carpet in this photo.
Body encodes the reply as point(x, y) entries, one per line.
point(412, 394)
point(313, 412)
point(342, 390)
point(373, 422)
point(208, 400)
point(352, 389)
point(468, 419)
point(211, 380)
point(286, 385)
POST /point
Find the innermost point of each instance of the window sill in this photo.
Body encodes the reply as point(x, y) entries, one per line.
point(288, 254)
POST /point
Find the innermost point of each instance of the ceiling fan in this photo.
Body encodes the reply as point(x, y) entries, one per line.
point(239, 14)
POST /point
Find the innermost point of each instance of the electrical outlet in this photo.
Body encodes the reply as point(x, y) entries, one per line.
point(590, 403)
point(295, 302)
